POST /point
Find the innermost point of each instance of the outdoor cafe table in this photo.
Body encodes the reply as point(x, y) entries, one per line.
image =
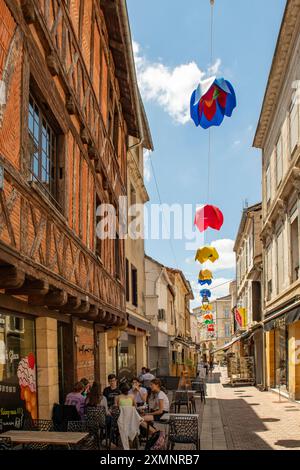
point(45, 437)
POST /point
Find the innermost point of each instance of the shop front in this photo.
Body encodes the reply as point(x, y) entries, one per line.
point(283, 353)
point(18, 384)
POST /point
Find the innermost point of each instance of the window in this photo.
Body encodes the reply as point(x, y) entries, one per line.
point(127, 281)
point(17, 371)
point(279, 158)
point(227, 312)
point(115, 136)
point(98, 243)
point(161, 314)
point(227, 330)
point(294, 246)
point(117, 256)
point(172, 312)
point(174, 357)
point(294, 126)
point(134, 291)
point(269, 272)
point(42, 148)
point(280, 261)
point(268, 184)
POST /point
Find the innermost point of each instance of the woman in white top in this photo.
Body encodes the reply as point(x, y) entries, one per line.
point(162, 404)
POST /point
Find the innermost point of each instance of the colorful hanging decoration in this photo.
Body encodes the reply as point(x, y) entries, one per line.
point(205, 277)
point(206, 253)
point(211, 328)
point(208, 316)
point(205, 293)
point(212, 100)
point(206, 307)
point(208, 216)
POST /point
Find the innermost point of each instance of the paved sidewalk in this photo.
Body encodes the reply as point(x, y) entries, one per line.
point(243, 418)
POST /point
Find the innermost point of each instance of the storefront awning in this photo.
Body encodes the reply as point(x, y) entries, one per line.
point(290, 316)
point(228, 345)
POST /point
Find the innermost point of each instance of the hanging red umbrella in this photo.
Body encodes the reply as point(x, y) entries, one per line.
point(208, 216)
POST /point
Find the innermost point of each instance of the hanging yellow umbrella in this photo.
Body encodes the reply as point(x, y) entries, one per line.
point(206, 308)
point(206, 253)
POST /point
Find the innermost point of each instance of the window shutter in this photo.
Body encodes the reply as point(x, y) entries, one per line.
point(294, 126)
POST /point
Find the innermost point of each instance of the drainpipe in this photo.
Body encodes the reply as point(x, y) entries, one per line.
point(124, 15)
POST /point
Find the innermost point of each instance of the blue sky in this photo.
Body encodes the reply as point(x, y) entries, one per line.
point(172, 47)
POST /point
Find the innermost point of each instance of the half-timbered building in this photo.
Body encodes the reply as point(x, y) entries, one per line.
point(68, 103)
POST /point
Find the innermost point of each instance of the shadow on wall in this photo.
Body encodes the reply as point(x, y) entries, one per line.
point(288, 444)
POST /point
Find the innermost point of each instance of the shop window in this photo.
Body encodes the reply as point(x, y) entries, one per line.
point(134, 286)
point(43, 144)
point(18, 388)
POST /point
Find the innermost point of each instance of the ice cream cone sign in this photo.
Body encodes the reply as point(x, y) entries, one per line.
point(27, 380)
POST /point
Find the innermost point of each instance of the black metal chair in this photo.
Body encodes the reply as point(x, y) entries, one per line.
point(114, 436)
point(37, 425)
point(199, 387)
point(96, 423)
point(5, 443)
point(181, 399)
point(183, 430)
point(89, 443)
point(62, 414)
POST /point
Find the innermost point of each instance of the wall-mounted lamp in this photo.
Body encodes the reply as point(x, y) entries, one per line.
point(76, 339)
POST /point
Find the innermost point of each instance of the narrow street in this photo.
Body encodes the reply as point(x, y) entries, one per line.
point(243, 418)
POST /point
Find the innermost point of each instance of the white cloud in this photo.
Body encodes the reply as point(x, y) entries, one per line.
point(147, 166)
point(169, 87)
point(236, 143)
point(226, 256)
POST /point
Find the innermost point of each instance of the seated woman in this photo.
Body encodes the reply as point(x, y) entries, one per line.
point(95, 398)
point(124, 399)
point(161, 405)
point(138, 392)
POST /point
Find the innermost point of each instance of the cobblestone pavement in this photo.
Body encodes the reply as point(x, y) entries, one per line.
point(244, 418)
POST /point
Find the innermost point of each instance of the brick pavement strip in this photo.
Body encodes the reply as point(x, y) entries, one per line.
point(244, 418)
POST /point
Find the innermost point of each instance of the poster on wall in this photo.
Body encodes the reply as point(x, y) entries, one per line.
point(18, 394)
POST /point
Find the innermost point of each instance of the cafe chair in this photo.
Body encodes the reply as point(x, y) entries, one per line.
point(183, 430)
point(37, 425)
point(200, 388)
point(89, 443)
point(96, 423)
point(114, 436)
point(5, 443)
point(181, 399)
